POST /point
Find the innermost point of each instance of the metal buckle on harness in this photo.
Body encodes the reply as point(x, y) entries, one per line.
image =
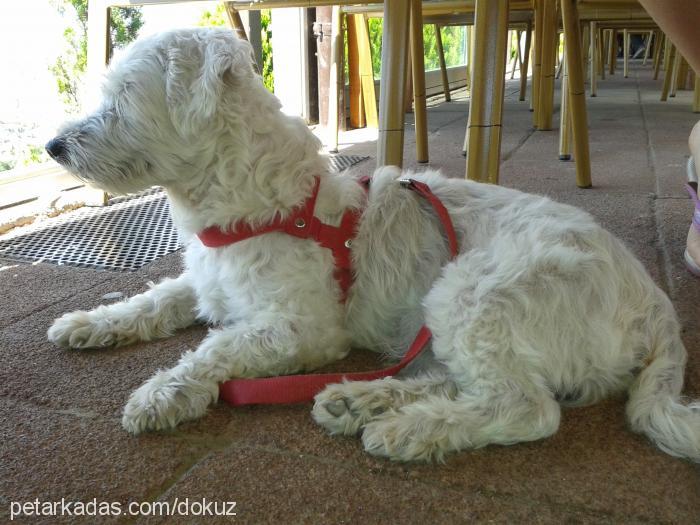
point(405, 183)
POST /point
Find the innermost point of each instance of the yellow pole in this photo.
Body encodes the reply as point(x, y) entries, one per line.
point(369, 96)
point(537, 63)
point(336, 83)
point(547, 71)
point(391, 95)
point(443, 65)
point(417, 58)
point(577, 97)
point(565, 119)
point(677, 59)
point(525, 64)
point(647, 47)
point(613, 52)
point(594, 58)
point(658, 44)
point(669, 63)
point(626, 52)
point(604, 43)
point(488, 84)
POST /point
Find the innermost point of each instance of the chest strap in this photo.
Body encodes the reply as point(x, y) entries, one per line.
point(301, 223)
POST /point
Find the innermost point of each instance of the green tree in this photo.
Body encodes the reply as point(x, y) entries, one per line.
point(452, 43)
point(71, 65)
point(219, 18)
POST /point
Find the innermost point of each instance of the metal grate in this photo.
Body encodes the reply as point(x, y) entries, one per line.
point(125, 235)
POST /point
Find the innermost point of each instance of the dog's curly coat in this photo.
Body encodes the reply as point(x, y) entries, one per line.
point(542, 307)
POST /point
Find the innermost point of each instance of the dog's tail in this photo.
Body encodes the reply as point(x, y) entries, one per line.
point(654, 406)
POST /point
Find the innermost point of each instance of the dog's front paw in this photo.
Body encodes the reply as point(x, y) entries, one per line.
point(163, 402)
point(80, 330)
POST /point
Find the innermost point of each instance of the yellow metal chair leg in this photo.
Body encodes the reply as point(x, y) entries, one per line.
point(658, 44)
point(626, 53)
point(559, 62)
point(443, 65)
point(516, 57)
point(604, 43)
point(537, 62)
point(357, 110)
point(586, 48)
point(336, 83)
point(647, 47)
point(565, 118)
point(369, 97)
point(418, 64)
point(577, 96)
point(488, 85)
point(525, 64)
point(532, 82)
point(594, 58)
point(612, 58)
point(677, 60)
point(669, 65)
point(682, 80)
point(391, 93)
point(549, 32)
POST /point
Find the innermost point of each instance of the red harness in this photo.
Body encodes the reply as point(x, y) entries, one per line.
point(304, 224)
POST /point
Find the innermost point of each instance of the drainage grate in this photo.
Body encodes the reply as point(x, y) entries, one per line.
point(125, 235)
point(343, 162)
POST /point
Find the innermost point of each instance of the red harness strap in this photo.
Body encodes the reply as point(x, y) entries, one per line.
point(302, 388)
point(304, 224)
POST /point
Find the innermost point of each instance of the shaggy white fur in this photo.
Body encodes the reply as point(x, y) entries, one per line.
point(541, 308)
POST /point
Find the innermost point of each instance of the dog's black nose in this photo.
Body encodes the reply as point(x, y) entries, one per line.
point(56, 148)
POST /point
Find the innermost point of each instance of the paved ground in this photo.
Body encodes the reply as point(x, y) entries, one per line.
point(60, 410)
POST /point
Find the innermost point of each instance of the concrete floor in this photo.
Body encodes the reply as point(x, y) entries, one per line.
point(60, 410)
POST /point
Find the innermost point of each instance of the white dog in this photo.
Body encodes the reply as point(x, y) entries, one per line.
point(541, 308)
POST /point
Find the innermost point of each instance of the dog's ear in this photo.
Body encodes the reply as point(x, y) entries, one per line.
point(198, 70)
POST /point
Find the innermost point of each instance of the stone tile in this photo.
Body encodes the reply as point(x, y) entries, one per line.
point(274, 487)
point(76, 455)
point(96, 380)
point(28, 287)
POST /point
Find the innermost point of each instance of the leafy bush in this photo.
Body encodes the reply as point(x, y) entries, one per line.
point(71, 65)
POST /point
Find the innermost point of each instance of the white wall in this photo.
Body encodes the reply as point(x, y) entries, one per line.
point(289, 52)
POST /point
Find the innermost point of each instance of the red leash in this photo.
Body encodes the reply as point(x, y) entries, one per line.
point(302, 388)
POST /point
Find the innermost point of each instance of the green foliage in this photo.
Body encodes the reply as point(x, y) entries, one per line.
point(453, 43)
point(266, 30)
point(216, 19)
point(375, 43)
point(219, 18)
point(34, 154)
point(453, 40)
point(7, 164)
point(71, 65)
point(69, 68)
point(124, 26)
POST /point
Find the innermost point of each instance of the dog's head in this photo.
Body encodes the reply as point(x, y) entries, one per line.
point(161, 106)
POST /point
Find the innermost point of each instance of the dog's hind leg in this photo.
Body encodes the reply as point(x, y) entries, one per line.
point(344, 408)
point(487, 413)
point(157, 313)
